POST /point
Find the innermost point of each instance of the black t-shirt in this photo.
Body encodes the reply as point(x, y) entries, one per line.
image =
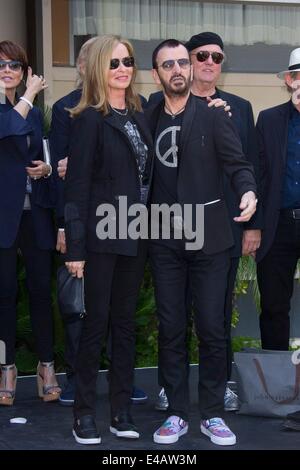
point(213, 97)
point(166, 159)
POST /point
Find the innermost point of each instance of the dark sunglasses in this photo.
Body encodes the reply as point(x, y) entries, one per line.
point(127, 61)
point(14, 65)
point(202, 56)
point(170, 64)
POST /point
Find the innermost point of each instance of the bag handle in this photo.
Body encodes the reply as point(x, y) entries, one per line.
point(265, 387)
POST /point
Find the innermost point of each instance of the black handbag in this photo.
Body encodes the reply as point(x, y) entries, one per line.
point(70, 295)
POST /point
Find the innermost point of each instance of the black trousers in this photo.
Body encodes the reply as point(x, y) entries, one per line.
point(38, 281)
point(234, 264)
point(72, 339)
point(112, 285)
point(171, 267)
point(275, 276)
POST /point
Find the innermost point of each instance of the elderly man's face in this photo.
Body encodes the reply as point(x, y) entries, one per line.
point(293, 81)
point(293, 84)
point(173, 70)
point(207, 71)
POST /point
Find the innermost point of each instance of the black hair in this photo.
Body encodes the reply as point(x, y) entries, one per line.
point(166, 43)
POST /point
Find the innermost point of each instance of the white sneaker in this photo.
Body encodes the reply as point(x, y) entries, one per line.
point(162, 403)
point(231, 400)
point(171, 430)
point(218, 432)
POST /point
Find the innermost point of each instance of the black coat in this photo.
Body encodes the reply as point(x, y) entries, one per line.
point(101, 168)
point(209, 145)
point(60, 132)
point(15, 155)
point(242, 117)
point(272, 134)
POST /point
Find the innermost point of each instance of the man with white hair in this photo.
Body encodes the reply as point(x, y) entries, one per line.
point(278, 131)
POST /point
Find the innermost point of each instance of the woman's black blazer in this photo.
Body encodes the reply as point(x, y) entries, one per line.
point(101, 168)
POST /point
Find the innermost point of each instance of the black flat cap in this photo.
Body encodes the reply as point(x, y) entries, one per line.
point(203, 39)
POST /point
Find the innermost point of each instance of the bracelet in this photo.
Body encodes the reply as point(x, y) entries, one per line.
point(61, 229)
point(22, 98)
point(50, 171)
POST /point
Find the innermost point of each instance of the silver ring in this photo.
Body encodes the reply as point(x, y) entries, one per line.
point(225, 104)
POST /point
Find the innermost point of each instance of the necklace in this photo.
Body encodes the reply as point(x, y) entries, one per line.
point(173, 115)
point(119, 112)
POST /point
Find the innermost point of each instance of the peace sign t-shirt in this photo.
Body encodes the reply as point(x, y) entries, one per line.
point(166, 159)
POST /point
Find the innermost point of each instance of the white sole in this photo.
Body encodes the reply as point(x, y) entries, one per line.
point(127, 434)
point(169, 439)
point(221, 441)
point(80, 440)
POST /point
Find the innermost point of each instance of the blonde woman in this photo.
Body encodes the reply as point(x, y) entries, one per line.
point(110, 157)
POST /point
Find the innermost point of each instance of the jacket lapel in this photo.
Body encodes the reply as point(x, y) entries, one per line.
point(235, 111)
point(282, 125)
point(186, 126)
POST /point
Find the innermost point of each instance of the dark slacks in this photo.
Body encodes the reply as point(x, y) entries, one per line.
point(234, 264)
point(72, 339)
point(207, 274)
point(112, 285)
point(38, 281)
point(275, 276)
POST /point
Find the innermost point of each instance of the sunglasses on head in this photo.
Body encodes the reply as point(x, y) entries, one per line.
point(202, 56)
point(170, 64)
point(126, 61)
point(12, 65)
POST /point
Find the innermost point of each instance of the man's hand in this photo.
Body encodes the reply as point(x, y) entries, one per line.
point(75, 268)
point(62, 167)
point(247, 206)
point(217, 102)
point(251, 241)
point(61, 241)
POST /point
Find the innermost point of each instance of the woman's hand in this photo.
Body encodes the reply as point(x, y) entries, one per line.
point(75, 268)
point(41, 169)
point(34, 84)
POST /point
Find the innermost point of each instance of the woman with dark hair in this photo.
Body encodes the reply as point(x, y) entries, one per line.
point(25, 220)
point(109, 159)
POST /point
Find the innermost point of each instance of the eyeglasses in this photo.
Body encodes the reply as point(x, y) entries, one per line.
point(127, 61)
point(170, 64)
point(202, 56)
point(14, 65)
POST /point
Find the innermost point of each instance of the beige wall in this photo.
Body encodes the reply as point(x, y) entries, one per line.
point(13, 21)
point(262, 90)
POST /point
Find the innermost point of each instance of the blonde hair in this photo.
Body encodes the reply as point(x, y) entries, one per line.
point(82, 58)
point(95, 91)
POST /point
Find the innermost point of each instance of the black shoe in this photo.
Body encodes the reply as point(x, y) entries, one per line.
point(123, 426)
point(85, 430)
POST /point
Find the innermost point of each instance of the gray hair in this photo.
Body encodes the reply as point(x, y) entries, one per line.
point(293, 76)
